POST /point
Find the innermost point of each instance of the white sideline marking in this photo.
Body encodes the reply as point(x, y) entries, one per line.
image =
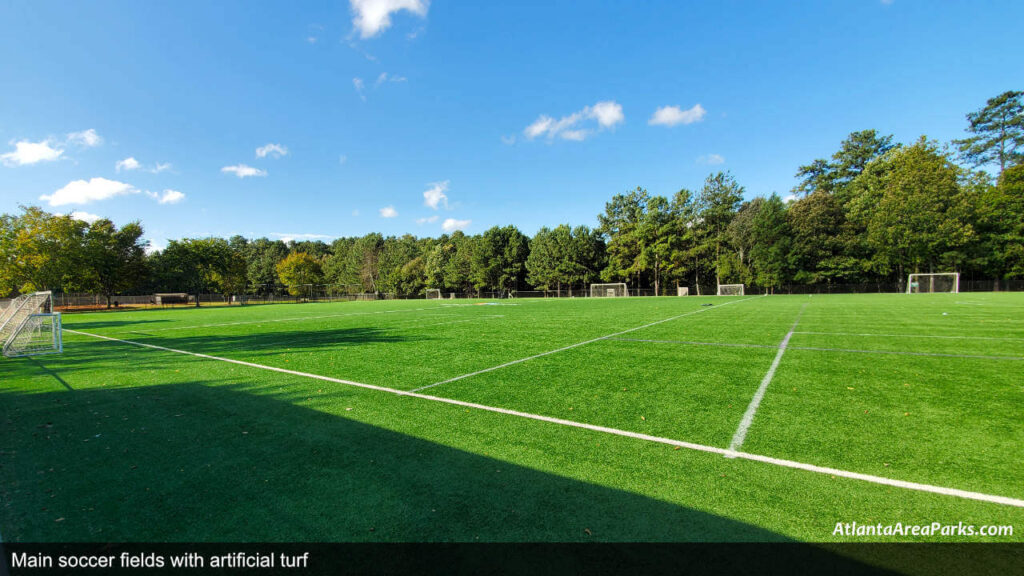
point(293, 319)
point(576, 345)
point(755, 402)
point(954, 492)
point(912, 336)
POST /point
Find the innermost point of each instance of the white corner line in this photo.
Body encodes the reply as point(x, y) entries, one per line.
point(755, 402)
point(576, 345)
point(953, 492)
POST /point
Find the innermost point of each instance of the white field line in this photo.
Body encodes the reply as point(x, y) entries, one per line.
point(576, 345)
point(867, 335)
point(755, 402)
point(954, 492)
point(821, 349)
point(271, 320)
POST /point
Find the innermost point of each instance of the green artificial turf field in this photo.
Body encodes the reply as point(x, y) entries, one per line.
point(526, 420)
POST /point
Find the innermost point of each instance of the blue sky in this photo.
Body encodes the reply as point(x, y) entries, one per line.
point(406, 115)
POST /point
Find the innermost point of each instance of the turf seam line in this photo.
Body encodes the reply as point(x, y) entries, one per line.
point(954, 492)
point(820, 349)
point(755, 402)
point(576, 345)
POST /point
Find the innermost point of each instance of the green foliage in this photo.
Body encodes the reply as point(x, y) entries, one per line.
point(998, 132)
point(297, 270)
point(854, 154)
point(113, 258)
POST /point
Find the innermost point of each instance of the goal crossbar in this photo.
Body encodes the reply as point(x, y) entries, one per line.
point(730, 289)
point(933, 282)
point(614, 290)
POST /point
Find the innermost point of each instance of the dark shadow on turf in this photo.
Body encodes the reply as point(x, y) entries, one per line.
point(51, 373)
point(191, 461)
point(97, 324)
point(269, 343)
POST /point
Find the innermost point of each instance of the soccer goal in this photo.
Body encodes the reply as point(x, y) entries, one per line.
point(682, 290)
point(730, 289)
point(28, 326)
point(928, 283)
point(433, 294)
point(608, 290)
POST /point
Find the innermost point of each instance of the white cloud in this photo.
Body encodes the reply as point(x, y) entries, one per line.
point(311, 39)
point(607, 115)
point(384, 77)
point(427, 219)
point(83, 192)
point(129, 163)
point(84, 216)
point(360, 88)
point(155, 245)
point(243, 171)
point(300, 237)
point(371, 17)
point(171, 197)
point(388, 212)
point(272, 150)
point(451, 224)
point(161, 167)
point(87, 138)
point(712, 159)
point(26, 153)
point(789, 198)
point(435, 195)
point(673, 115)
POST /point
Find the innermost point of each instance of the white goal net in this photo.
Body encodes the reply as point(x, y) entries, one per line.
point(433, 294)
point(928, 283)
point(682, 290)
point(608, 290)
point(730, 289)
point(27, 326)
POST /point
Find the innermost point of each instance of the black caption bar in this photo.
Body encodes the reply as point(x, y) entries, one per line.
point(531, 559)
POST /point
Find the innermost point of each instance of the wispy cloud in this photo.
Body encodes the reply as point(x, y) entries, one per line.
point(243, 171)
point(607, 115)
point(674, 115)
point(711, 159)
point(272, 150)
point(388, 212)
point(360, 88)
point(86, 138)
point(300, 237)
point(509, 140)
point(86, 191)
point(342, 159)
point(371, 17)
point(435, 195)
point(451, 224)
point(168, 196)
point(428, 219)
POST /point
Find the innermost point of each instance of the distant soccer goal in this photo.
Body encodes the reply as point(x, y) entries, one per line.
point(682, 290)
point(730, 289)
point(929, 283)
point(433, 294)
point(608, 290)
point(27, 326)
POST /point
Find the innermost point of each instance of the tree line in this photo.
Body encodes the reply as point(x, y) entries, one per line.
point(873, 211)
